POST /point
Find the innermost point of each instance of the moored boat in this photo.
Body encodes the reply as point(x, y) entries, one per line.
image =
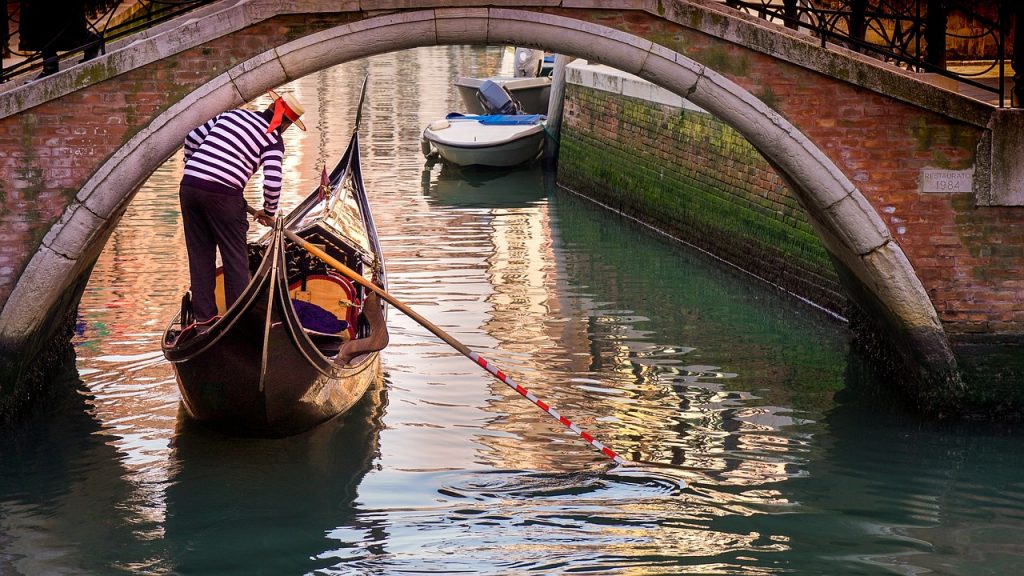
point(490, 140)
point(531, 92)
point(301, 345)
point(526, 75)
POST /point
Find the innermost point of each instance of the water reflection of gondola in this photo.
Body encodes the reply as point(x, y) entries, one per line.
point(249, 506)
point(484, 187)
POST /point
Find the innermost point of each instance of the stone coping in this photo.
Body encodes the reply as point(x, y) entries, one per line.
point(607, 79)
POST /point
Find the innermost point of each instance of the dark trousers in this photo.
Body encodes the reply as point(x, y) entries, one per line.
point(214, 222)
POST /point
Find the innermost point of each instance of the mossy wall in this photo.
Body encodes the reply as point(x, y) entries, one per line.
point(692, 176)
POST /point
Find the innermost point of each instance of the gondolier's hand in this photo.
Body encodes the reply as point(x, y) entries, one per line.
point(263, 218)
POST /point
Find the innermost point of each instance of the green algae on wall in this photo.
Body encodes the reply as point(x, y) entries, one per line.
point(690, 175)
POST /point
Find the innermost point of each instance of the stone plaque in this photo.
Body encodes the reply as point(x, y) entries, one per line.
point(946, 181)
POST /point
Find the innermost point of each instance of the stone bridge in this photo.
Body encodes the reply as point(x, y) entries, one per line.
point(916, 192)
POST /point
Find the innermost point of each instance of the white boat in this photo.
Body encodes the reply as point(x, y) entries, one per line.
point(531, 93)
point(524, 73)
point(491, 140)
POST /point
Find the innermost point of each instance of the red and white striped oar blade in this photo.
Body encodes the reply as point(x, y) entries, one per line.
point(545, 407)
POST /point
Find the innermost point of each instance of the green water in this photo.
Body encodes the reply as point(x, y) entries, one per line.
point(744, 395)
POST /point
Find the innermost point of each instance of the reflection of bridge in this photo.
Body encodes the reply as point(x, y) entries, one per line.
point(917, 192)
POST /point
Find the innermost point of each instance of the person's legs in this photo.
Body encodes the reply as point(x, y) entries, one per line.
point(229, 226)
point(202, 255)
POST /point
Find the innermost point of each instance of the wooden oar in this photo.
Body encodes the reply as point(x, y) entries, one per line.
point(437, 331)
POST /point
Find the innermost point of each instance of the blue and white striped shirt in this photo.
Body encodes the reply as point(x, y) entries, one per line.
point(222, 154)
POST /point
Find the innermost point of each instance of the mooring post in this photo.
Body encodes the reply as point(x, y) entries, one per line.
point(555, 101)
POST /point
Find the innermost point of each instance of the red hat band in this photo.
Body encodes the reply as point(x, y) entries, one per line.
point(281, 110)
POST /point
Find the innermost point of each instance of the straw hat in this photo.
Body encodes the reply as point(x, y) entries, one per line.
point(291, 108)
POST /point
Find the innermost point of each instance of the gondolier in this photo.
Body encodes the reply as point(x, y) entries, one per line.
point(220, 158)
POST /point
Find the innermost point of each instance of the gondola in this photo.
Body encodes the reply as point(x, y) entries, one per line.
point(301, 345)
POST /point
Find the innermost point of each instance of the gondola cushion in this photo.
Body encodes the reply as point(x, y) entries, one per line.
point(313, 317)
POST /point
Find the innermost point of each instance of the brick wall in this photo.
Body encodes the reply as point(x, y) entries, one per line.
point(692, 176)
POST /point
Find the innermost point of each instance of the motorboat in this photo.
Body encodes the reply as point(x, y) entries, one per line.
point(502, 137)
point(486, 140)
point(529, 82)
point(532, 93)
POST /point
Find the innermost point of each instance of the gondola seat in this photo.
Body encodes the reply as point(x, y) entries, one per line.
point(332, 293)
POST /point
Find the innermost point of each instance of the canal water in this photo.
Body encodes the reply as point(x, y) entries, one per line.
point(770, 461)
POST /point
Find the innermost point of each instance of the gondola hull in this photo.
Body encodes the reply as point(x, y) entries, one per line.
point(247, 376)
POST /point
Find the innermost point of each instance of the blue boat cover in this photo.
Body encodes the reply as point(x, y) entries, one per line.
point(500, 119)
point(314, 317)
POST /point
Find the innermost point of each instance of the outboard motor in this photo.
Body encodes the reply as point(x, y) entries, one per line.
point(496, 99)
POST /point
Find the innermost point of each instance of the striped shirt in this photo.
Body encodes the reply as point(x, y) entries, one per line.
point(222, 154)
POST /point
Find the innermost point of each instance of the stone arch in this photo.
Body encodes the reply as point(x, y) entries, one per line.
point(874, 267)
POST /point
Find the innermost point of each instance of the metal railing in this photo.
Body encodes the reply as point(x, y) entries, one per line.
point(99, 23)
point(914, 34)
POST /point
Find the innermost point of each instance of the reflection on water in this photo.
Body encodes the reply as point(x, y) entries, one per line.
point(243, 495)
point(665, 357)
point(476, 187)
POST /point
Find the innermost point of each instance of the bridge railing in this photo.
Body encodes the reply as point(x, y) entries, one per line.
point(914, 34)
point(968, 42)
point(38, 35)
